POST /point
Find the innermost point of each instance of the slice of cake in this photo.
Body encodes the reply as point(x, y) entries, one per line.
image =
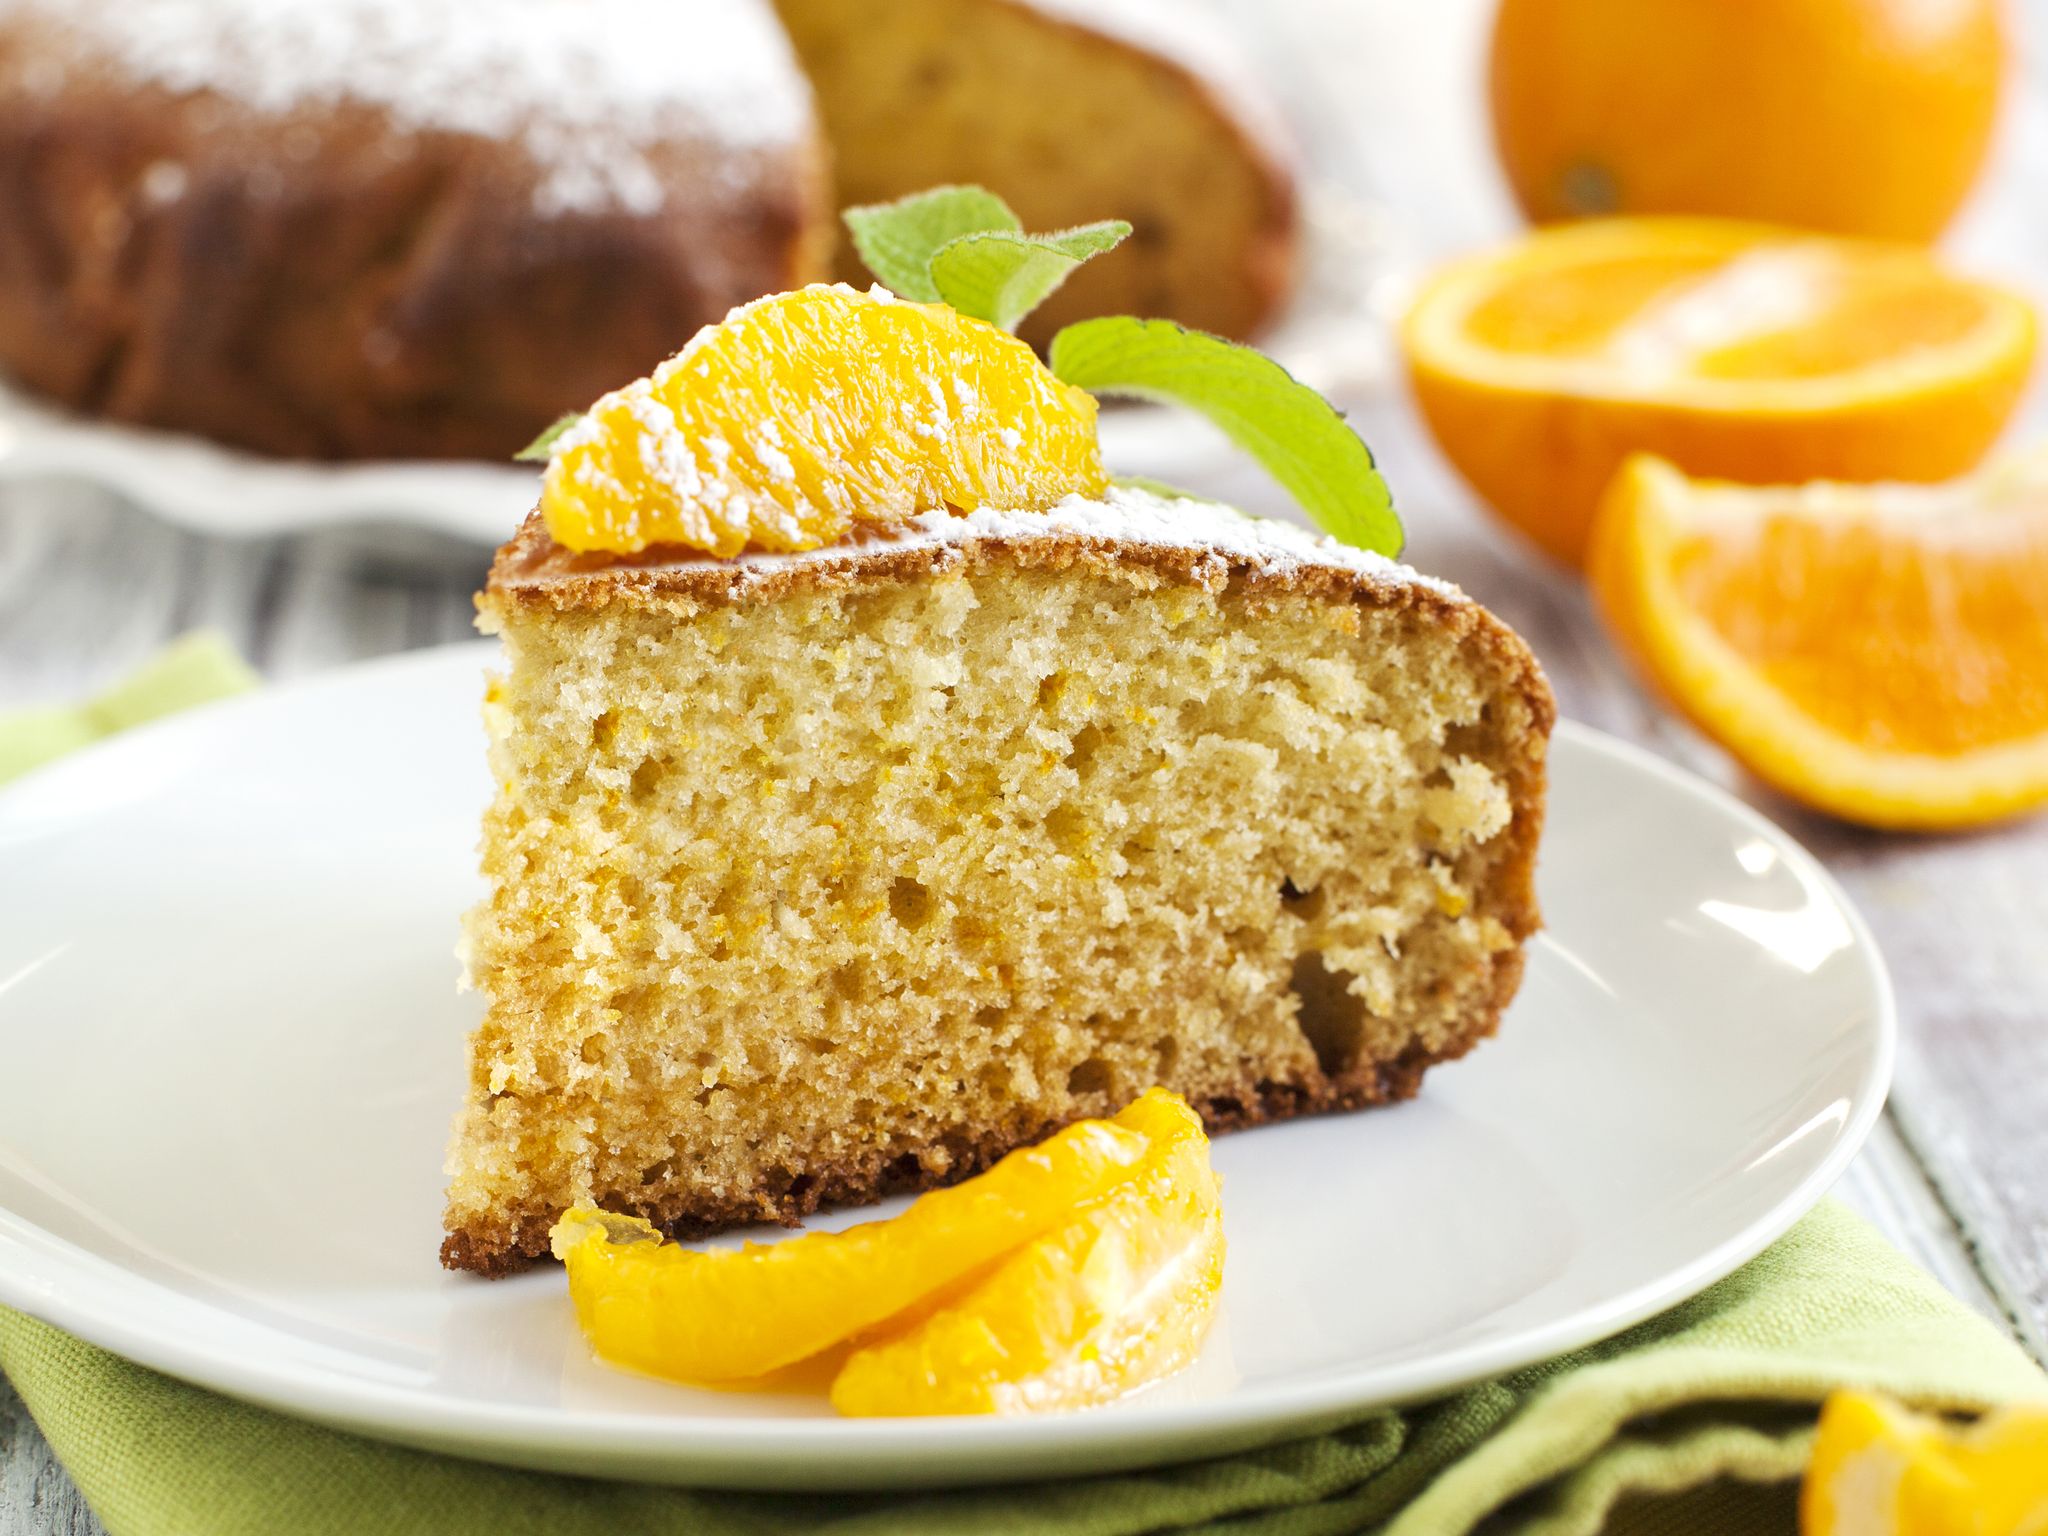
point(881, 787)
point(819, 875)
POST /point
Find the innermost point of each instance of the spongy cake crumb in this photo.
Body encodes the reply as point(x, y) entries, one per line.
point(855, 884)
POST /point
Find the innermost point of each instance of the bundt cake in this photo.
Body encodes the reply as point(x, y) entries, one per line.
point(361, 228)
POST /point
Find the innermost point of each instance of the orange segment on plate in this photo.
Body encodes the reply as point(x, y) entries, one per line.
point(724, 1314)
point(802, 414)
point(1734, 350)
point(1877, 652)
point(1881, 1470)
point(1119, 1296)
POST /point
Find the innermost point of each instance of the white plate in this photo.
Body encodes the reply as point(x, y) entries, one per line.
point(1332, 337)
point(230, 1046)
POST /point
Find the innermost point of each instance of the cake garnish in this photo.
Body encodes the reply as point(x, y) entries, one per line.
point(963, 246)
point(1068, 1274)
point(1302, 440)
point(802, 414)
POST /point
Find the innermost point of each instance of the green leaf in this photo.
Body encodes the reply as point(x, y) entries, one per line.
point(542, 448)
point(1301, 439)
point(1001, 275)
point(897, 240)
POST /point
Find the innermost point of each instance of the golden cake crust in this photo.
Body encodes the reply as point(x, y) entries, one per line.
point(1161, 122)
point(496, 1251)
point(532, 570)
point(532, 578)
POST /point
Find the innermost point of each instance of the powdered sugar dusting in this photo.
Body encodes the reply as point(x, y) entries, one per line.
point(1129, 515)
point(583, 85)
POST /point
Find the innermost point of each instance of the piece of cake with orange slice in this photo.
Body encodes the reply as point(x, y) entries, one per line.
point(881, 787)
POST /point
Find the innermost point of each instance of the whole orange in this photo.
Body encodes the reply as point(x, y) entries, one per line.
point(1858, 117)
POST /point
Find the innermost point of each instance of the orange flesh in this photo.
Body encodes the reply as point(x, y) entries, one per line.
point(1880, 1470)
point(1576, 310)
point(804, 413)
point(1868, 320)
point(1737, 352)
point(1895, 635)
point(1121, 1295)
point(1790, 309)
point(1068, 1274)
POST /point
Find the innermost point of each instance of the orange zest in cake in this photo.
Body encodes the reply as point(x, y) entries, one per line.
point(1068, 1274)
point(803, 414)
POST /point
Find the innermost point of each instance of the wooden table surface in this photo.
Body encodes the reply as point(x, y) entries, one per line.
point(1385, 98)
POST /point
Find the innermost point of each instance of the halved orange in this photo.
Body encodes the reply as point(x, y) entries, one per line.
point(1878, 652)
point(712, 1315)
point(801, 414)
point(1879, 1469)
point(1735, 350)
point(1121, 1295)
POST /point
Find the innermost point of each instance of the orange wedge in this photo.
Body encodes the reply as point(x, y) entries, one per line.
point(1880, 653)
point(1121, 1295)
point(714, 1315)
point(1735, 350)
point(799, 415)
point(1880, 1470)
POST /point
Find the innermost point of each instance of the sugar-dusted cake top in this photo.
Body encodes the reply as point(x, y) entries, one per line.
point(1125, 521)
point(583, 85)
point(1130, 515)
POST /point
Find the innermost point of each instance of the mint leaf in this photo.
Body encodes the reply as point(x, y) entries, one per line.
point(897, 240)
point(542, 448)
point(1001, 275)
point(1298, 436)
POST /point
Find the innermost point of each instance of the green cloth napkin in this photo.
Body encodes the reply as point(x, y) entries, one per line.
point(1693, 1424)
point(193, 669)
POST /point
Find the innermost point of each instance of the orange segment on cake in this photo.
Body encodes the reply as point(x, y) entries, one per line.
point(805, 413)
